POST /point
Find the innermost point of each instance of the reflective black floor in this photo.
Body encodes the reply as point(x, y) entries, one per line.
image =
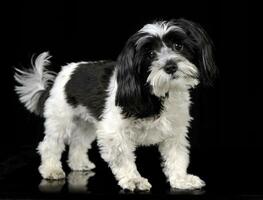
point(227, 177)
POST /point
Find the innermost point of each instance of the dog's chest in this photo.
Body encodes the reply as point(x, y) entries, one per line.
point(150, 132)
point(174, 118)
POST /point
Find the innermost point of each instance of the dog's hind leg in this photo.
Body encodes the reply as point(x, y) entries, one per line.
point(79, 143)
point(51, 148)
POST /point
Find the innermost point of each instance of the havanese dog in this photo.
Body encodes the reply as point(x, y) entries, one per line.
point(141, 99)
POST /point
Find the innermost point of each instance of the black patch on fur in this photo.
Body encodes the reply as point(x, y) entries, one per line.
point(200, 47)
point(134, 93)
point(42, 99)
point(88, 84)
point(188, 49)
point(150, 42)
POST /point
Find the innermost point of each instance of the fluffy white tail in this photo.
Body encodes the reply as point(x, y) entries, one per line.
point(34, 82)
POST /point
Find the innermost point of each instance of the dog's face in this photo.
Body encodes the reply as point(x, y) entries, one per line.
point(168, 57)
point(164, 57)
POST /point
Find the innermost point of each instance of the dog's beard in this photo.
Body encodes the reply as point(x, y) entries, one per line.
point(162, 83)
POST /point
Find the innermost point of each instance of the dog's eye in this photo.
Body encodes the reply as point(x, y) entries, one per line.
point(178, 46)
point(151, 54)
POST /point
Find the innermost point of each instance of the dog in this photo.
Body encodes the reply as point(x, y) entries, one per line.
point(141, 99)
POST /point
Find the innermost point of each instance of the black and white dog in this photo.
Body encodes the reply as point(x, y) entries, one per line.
point(141, 99)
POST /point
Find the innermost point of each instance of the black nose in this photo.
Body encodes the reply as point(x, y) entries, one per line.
point(170, 68)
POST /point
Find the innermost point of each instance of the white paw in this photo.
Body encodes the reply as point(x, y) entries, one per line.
point(187, 181)
point(138, 183)
point(84, 165)
point(54, 173)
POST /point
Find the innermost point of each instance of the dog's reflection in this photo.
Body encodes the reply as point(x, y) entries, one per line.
point(51, 185)
point(77, 182)
point(186, 192)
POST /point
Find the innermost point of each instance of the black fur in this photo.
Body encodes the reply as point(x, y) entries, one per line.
point(88, 84)
point(42, 99)
point(134, 93)
point(188, 49)
point(201, 47)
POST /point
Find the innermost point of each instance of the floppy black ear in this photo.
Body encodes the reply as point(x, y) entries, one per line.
point(128, 94)
point(133, 93)
point(203, 49)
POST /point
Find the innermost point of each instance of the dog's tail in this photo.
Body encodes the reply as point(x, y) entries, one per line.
point(35, 83)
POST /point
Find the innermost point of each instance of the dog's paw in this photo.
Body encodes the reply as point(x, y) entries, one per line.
point(54, 173)
point(138, 183)
point(143, 184)
point(84, 165)
point(186, 182)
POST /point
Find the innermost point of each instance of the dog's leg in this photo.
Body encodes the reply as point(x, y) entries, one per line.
point(51, 148)
point(118, 151)
point(80, 141)
point(175, 156)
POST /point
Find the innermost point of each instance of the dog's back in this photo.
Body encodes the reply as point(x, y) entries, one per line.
point(88, 86)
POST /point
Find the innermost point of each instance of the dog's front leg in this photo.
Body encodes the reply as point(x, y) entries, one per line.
point(118, 151)
point(175, 156)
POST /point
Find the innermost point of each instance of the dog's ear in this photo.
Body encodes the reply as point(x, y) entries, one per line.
point(128, 78)
point(133, 93)
point(203, 49)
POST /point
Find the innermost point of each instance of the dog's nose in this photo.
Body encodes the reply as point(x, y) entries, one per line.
point(170, 68)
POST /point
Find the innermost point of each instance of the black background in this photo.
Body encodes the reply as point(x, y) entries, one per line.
point(225, 134)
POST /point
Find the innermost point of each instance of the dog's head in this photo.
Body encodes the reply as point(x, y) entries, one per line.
point(161, 58)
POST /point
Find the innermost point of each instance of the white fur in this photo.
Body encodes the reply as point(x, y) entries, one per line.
point(64, 125)
point(159, 28)
point(118, 139)
point(162, 82)
point(117, 136)
point(34, 81)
